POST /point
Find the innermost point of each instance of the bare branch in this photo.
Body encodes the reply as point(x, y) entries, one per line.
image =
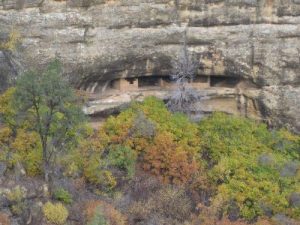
point(184, 71)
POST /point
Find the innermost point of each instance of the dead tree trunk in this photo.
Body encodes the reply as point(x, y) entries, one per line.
point(184, 70)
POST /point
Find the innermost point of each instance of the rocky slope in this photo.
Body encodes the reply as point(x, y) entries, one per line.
point(100, 40)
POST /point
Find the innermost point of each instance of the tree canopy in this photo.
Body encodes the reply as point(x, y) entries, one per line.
point(47, 100)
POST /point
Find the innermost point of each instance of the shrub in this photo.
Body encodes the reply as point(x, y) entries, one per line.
point(99, 176)
point(125, 129)
point(246, 167)
point(286, 142)
point(16, 195)
point(90, 157)
point(122, 157)
point(16, 198)
point(167, 160)
point(27, 150)
point(20, 145)
point(98, 218)
point(62, 195)
point(98, 160)
point(208, 217)
point(169, 204)
point(7, 109)
point(143, 185)
point(12, 41)
point(55, 213)
point(144, 127)
point(95, 169)
point(23, 147)
point(4, 219)
point(99, 212)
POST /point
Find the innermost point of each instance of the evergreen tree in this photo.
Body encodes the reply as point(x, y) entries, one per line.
point(48, 102)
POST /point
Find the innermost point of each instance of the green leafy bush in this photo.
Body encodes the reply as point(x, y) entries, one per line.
point(92, 160)
point(55, 213)
point(7, 109)
point(245, 164)
point(122, 157)
point(62, 195)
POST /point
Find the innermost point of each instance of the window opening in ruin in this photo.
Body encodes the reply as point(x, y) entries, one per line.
point(130, 80)
point(169, 79)
point(221, 81)
point(151, 81)
point(200, 79)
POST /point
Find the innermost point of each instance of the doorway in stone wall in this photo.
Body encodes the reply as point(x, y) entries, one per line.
point(149, 82)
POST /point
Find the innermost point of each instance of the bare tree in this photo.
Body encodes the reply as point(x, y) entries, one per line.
point(184, 70)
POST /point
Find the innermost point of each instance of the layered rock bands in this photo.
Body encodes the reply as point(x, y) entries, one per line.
point(101, 41)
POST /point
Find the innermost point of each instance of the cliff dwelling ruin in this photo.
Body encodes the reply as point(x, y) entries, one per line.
point(229, 94)
point(146, 83)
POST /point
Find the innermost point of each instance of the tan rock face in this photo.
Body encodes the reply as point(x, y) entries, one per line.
point(102, 40)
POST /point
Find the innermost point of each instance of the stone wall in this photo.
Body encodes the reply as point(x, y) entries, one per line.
point(125, 85)
point(101, 40)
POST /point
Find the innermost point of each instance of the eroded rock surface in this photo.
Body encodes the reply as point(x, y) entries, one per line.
point(102, 40)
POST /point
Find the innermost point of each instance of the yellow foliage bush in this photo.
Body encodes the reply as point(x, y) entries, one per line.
point(18, 145)
point(5, 136)
point(13, 39)
point(252, 168)
point(55, 213)
point(16, 195)
point(28, 150)
point(7, 109)
point(16, 198)
point(22, 147)
point(89, 159)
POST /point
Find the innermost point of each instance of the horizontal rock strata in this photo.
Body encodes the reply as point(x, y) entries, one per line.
point(103, 40)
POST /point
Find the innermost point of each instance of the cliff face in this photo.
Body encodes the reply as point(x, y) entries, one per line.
point(100, 40)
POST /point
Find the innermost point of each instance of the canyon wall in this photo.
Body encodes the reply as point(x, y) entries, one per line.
point(101, 40)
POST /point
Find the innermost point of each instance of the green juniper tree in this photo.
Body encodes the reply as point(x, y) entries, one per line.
point(48, 102)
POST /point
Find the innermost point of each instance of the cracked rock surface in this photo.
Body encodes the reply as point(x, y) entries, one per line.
point(102, 40)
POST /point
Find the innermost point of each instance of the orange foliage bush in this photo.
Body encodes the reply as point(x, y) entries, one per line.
point(167, 143)
point(224, 221)
point(113, 216)
point(167, 160)
point(4, 219)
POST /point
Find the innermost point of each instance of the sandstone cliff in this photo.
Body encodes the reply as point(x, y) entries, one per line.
point(257, 41)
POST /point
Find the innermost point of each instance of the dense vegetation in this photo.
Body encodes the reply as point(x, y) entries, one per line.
point(144, 166)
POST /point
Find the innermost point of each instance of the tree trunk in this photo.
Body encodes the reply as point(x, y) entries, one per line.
point(46, 167)
point(46, 172)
